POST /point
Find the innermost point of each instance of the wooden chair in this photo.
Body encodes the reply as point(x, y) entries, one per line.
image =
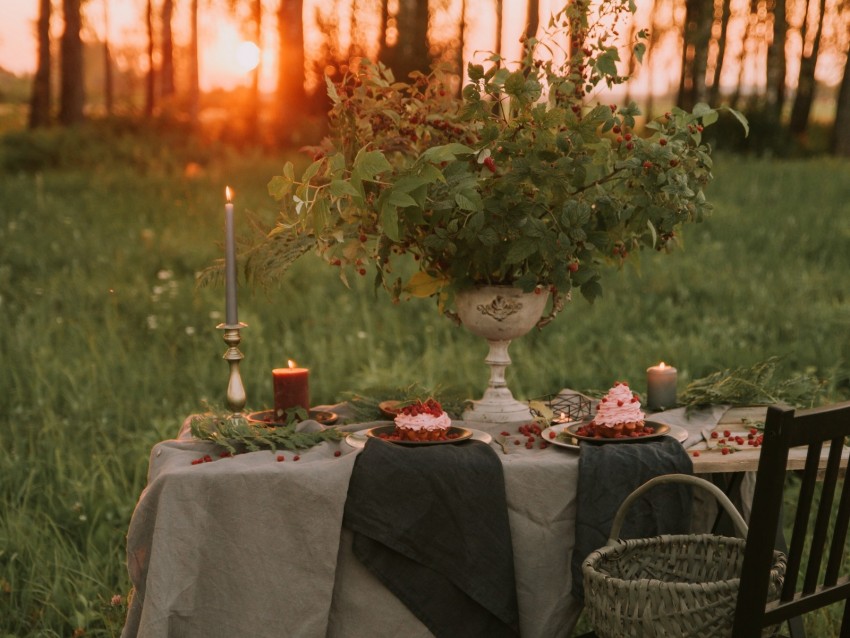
point(785, 429)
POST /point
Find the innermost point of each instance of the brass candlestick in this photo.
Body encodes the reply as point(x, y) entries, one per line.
point(236, 398)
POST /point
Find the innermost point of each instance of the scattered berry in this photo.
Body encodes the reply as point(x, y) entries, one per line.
point(296, 458)
point(714, 435)
point(695, 453)
point(338, 453)
point(280, 458)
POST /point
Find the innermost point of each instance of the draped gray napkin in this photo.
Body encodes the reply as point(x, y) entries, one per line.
point(608, 473)
point(431, 523)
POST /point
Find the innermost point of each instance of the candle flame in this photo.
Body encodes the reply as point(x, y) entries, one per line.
point(292, 364)
point(662, 365)
point(228, 193)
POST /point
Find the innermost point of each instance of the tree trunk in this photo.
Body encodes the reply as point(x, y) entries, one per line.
point(699, 16)
point(166, 71)
point(841, 126)
point(108, 83)
point(776, 63)
point(725, 14)
point(73, 94)
point(499, 25)
point(806, 80)
point(460, 46)
point(411, 49)
point(649, 59)
point(291, 96)
point(149, 81)
point(254, 103)
point(40, 99)
point(385, 51)
point(194, 105)
point(353, 46)
point(532, 18)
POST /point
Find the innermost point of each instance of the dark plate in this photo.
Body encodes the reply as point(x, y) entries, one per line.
point(267, 417)
point(659, 430)
point(462, 435)
point(389, 408)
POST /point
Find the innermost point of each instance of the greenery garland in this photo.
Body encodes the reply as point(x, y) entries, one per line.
point(753, 385)
point(236, 434)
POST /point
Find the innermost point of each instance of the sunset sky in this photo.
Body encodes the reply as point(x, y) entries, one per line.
point(221, 62)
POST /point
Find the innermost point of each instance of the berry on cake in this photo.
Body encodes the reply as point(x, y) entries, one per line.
point(421, 421)
point(618, 415)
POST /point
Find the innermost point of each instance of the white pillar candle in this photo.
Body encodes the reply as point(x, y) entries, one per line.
point(661, 387)
point(231, 314)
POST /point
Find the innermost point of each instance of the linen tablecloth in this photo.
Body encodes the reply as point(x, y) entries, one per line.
point(252, 546)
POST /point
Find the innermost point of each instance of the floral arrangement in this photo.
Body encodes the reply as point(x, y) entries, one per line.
point(522, 180)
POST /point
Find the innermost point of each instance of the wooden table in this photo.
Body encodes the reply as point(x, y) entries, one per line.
point(742, 457)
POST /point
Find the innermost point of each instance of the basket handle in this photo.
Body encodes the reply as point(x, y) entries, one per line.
point(737, 519)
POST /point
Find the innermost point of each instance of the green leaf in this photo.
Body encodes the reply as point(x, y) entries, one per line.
point(401, 200)
point(410, 183)
point(339, 187)
point(321, 213)
point(591, 290)
point(279, 187)
point(475, 72)
point(520, 249)
point(332, 92)
point(463, 202)
point(702, 109)
point(421, 284)
point(606, 63)
point(371, 163)
point(710, 118)
point(312, 170)
point(446, 152)
point(389, 221)
point(395, 117)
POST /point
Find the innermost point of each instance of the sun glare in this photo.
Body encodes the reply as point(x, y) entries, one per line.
point(247, 56)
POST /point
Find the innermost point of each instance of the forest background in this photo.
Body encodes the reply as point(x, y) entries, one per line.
point(114, 153)
point(783, 62)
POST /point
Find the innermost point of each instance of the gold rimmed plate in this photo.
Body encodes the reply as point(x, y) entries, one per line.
point(453, 435)
point(659, 430)
point(389, 408)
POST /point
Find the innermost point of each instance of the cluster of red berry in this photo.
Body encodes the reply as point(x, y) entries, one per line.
point(430, 406)
point(531, 431)
point(208, 459)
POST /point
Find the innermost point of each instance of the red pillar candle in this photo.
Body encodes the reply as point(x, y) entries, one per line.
point(291, 389)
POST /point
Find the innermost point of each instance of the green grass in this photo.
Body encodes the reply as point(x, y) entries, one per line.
point(107, 344)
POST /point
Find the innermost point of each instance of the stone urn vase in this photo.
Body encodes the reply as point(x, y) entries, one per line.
point(500, 314)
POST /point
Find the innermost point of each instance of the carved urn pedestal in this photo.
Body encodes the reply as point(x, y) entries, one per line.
point(499, 314)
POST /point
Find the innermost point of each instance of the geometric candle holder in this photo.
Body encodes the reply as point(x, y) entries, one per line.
point(236, 398)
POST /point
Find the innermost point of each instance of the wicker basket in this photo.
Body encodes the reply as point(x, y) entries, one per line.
point(671, 585)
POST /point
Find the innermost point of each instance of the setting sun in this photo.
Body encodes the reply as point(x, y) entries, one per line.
point(247, 56)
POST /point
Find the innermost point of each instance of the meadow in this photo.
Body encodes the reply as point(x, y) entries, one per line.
point(108, 343)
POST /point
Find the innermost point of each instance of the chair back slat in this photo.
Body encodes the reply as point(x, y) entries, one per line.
point(785, 429)
point(839, 533)
point(801, 521)
point(824, 514)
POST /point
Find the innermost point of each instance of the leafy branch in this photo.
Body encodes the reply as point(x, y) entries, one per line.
point(235, 434)
point(753, 385)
